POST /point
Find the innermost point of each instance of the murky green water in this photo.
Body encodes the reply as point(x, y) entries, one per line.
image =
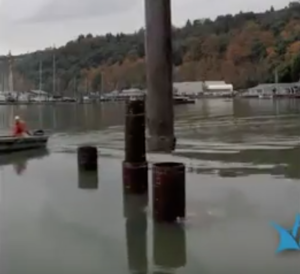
point(243, 172)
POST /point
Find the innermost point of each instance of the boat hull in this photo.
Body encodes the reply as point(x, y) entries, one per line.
point(12, 144)
point(182, 100)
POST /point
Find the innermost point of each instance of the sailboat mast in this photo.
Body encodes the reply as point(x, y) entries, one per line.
point(10, 73)
point(74, 87)
point(41, 76)
point(2, 80)
point(54, 73)
point(102, 84)
point(86, 86)
point(276, 76)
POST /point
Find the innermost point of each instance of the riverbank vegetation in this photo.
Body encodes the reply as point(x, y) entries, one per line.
point(243, 49)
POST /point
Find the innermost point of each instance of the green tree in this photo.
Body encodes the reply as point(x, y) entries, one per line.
point(242, 49)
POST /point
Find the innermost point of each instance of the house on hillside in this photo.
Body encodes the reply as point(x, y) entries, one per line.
point(200, 88)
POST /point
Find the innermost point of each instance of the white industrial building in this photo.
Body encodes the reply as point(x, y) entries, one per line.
point(192, 89)
point(218, 88)
point(206, 88)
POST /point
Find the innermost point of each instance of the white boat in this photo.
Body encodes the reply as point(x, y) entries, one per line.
point(265, 96)
point(2, 98)
point(181, 100)
point(23, 98)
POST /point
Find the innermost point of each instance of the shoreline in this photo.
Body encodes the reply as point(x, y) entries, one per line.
point(121, 101)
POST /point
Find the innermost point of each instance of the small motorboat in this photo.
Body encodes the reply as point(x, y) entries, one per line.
point(183, 100)
point(37, 140)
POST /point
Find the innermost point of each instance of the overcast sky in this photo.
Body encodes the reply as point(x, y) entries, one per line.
point(28, 25)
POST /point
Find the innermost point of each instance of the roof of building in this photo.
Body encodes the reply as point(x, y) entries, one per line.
point(220, 86)
point(133, 91)
point(215, 83)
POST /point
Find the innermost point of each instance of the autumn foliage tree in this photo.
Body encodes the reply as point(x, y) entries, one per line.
point(244, 49)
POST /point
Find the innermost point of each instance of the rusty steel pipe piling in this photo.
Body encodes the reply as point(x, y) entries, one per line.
point(135, 178)
point(159, 66)
point(168, 191)
point(135, 146)
point(135, 166)
point(87, 158)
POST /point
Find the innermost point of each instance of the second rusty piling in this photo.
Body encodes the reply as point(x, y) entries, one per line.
point(135, 167)
point(135, 146)
point(168, 191)
point(169, 239)
point(87, 158)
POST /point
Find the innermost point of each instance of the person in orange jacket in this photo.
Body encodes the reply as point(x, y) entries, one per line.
point(19, 128)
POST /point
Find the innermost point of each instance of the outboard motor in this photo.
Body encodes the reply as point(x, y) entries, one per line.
point(38, 132)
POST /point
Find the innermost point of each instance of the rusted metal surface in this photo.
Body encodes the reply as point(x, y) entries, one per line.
point(135, 167)
point(168, 191)
point(169, 246)
point(87, 157)
point(158, 47)
point(135, 146)
point(136, 232)
point(135, 177)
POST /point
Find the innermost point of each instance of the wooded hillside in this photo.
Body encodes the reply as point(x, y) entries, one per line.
point(244, 49)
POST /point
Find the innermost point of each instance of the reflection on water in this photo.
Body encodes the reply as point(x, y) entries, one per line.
point(228, 205)
point(242, 173)
point(64, 117)
point(88, 179)
point(23, 156)
point(19, 160)
point(20, 167)
point(136, 232)
point(169, 247)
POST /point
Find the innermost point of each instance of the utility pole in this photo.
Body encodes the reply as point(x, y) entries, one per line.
point(158, 48)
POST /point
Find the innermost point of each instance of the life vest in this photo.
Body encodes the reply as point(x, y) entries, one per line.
point(19, 128)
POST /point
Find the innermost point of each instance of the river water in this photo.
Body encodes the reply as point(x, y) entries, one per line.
point(243, 172)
